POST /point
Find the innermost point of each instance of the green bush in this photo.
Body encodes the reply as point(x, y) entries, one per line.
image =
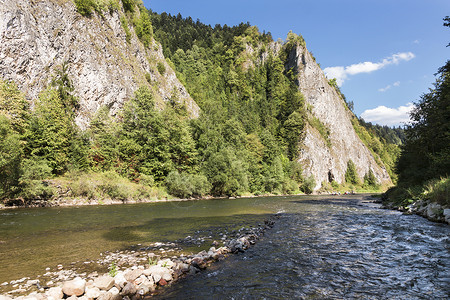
point(185, 185)
point(32, 184)
point(161, 68)
point(438, 191)
point(308, 185)
point(86, 7)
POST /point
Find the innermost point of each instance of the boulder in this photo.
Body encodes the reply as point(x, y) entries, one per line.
point(129, 289)
point(105, 296)
point(159, 272)
point(55, 293)
point(132, 275)
point(73, 297)
point(198, 262)
point(120, 280)
point(434, 211)
point(74, 287)
point(447, 215)
point(105, 282)
point(92, 292)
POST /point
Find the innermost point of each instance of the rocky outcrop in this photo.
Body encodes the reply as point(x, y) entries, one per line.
point(323, 160)
point(37, 37)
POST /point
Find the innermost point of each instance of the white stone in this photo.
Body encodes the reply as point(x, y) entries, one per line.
point(74, 287)
point(120, 280)
point(55, 292)
point(104, 282)
point(92, 292)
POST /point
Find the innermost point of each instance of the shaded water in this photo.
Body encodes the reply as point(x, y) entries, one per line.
point(320, 247)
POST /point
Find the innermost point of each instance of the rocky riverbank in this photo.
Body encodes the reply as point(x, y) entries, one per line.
point(430, 210)
point(132, 274)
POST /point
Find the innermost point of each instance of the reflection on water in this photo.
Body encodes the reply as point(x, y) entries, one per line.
point(319, 248)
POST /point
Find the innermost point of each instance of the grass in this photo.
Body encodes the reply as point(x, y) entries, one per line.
point(106, 185)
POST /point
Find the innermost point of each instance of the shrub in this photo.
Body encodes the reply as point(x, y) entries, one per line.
point(438, 191)
point(161, 68)
point(309, 184)
point(185, 185)
point(86, 7)
point(32, 186)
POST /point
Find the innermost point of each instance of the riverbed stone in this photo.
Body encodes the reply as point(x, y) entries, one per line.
point(92, 292)
point(120, 280)
point(447, 215)
point(105, 282)
point(74, 287)
point(55, 293)
point(434, 210)
point(2, 297)
point(128, 290)
point(132, 275)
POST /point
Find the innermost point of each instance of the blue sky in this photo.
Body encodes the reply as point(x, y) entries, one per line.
point(384, 52)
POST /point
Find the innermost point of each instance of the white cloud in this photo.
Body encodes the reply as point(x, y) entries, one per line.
point(416, 42)
point(388, 116)
point(341, 73)
point(397, 83)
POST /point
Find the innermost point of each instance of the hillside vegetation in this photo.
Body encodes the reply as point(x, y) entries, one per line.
point(246, 140)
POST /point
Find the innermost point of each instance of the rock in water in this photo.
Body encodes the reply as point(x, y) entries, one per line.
point(74, 287)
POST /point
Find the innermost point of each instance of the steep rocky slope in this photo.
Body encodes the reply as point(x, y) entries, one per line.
point(329, 161)
point(37, 37)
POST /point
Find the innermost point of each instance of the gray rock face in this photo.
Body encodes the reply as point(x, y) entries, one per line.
point(37, 37)
point(315, 156)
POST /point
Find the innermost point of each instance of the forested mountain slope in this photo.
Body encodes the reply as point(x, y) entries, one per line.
point(90, 107)
point(271, 87)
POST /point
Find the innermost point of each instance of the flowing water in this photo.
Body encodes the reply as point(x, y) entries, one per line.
point(320, 247)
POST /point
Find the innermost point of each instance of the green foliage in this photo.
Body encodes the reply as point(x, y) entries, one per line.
point(32, 183)
point(438, 190)
point(10, 158)
point(14, 106)
point(385, 153)
point(112, 270)
point(184, 185)
point(426, 151)
point(129, 5)
point(321, 128)
point(308, 185)
point(227, 173)
point(351, 175)
point(86, 7)
point(161, 68)
point(124, 23)
point(370, 179)
point(143, 26)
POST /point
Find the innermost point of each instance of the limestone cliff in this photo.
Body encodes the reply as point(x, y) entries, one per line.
point(106, 67)
point(327, 161)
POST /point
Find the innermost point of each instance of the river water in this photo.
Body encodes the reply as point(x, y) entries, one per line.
point(335, 247)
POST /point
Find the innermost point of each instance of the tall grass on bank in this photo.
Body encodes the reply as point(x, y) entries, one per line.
point(108, 185)
point(435, 190)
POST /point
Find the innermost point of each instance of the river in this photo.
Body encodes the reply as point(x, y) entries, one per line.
point(320, 247)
